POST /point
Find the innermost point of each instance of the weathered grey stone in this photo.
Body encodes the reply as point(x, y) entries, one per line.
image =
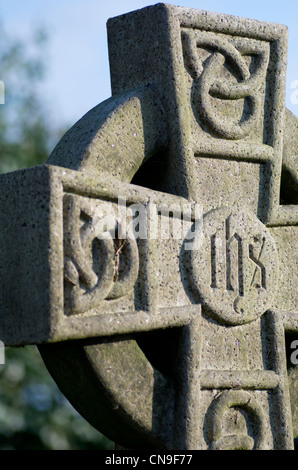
point(166, 341)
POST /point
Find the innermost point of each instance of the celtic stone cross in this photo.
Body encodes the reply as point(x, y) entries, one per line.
point(164, 341)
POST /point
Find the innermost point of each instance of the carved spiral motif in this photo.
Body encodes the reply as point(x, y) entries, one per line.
point(207, 84)
point(88, 288)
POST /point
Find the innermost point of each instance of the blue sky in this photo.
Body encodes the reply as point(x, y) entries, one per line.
point(77, 54)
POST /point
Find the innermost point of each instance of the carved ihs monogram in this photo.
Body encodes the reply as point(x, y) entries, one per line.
point(236, 270)
point(236, 263)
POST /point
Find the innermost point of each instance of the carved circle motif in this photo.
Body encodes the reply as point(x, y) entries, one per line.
point(235, 271)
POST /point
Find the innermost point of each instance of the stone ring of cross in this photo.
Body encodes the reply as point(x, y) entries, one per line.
point(160, 238)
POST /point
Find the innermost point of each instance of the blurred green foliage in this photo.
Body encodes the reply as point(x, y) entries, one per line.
point(33, 413)
point(26, 133)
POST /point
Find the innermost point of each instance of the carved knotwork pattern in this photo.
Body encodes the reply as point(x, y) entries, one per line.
point(101, 258)
point(237, 400)
point(244, 62)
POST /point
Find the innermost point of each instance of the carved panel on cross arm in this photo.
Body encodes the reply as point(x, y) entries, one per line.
point(101, 258)
point(229, 78)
